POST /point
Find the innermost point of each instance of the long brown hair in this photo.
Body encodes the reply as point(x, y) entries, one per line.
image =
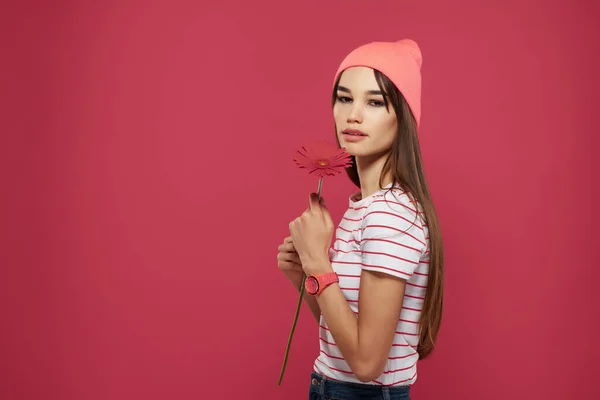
point(406, 168)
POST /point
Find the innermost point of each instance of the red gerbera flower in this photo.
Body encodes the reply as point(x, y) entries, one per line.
point(323, 159)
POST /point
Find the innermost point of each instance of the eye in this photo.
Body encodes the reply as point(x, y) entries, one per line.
point(377, 103)
point(344, 99)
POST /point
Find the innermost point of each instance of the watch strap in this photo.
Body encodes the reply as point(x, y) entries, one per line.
point(326, 280)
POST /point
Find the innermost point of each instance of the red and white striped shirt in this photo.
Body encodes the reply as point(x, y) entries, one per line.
point(383, 232)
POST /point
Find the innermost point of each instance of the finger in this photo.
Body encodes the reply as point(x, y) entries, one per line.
point(289, 258)
point(327, 217)
point(322, 202)
point(314, 202)
point(288, 265)
point(292, 257)
point(288, 240)
point(287, 247)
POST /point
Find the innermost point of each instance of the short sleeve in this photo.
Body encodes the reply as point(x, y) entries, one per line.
point(393, 236)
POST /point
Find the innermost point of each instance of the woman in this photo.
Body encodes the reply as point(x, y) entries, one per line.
point(377, 293)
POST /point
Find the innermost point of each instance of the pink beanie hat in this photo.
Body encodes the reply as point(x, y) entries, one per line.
point(399, 61)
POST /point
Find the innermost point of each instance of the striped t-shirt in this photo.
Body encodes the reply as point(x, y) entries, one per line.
point(383, 232)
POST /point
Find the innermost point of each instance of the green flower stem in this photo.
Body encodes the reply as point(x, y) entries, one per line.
point(287, 350)
point(298, 306)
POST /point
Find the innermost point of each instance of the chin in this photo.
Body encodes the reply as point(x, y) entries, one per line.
point(354, 149)
point(357, 152)
point(351, 148)
point(362, 151)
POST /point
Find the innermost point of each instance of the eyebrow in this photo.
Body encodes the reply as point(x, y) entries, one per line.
point(372, 92)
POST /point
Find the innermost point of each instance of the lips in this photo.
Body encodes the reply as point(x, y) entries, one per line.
point(353, 132)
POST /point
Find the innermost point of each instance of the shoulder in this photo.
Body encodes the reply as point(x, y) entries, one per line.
point(393, 213)
point(393, 238)
point(390, 203)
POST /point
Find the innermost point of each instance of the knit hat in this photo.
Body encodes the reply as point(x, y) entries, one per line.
point(399, 61)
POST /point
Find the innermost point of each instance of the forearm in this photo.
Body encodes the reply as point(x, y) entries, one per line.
point(343, 326)
point(295, 279)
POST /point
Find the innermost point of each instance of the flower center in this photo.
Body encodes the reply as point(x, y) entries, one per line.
point(322, 163)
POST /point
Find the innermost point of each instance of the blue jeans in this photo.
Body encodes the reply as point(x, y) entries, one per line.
point(326, 389)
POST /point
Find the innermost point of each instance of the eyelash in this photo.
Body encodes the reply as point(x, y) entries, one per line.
point(379, 103)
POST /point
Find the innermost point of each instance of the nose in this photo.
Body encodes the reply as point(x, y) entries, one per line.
point(355, 115)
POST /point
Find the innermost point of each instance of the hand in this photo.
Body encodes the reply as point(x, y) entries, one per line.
point(311, 234)
point(287, 258)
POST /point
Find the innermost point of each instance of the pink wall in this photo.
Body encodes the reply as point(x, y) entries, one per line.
point(138, 260)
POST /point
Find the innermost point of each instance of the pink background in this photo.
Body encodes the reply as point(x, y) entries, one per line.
point(148, 179)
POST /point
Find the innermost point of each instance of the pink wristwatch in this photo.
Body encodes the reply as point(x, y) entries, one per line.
point(315, 284)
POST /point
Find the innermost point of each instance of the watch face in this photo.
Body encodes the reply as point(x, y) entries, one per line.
point(312, 285)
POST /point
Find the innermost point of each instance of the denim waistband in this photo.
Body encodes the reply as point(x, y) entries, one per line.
point(349, 390)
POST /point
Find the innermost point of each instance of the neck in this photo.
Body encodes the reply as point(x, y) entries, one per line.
point(369, 170)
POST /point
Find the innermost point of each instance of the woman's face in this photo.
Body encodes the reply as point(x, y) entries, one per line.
point(364, 126)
